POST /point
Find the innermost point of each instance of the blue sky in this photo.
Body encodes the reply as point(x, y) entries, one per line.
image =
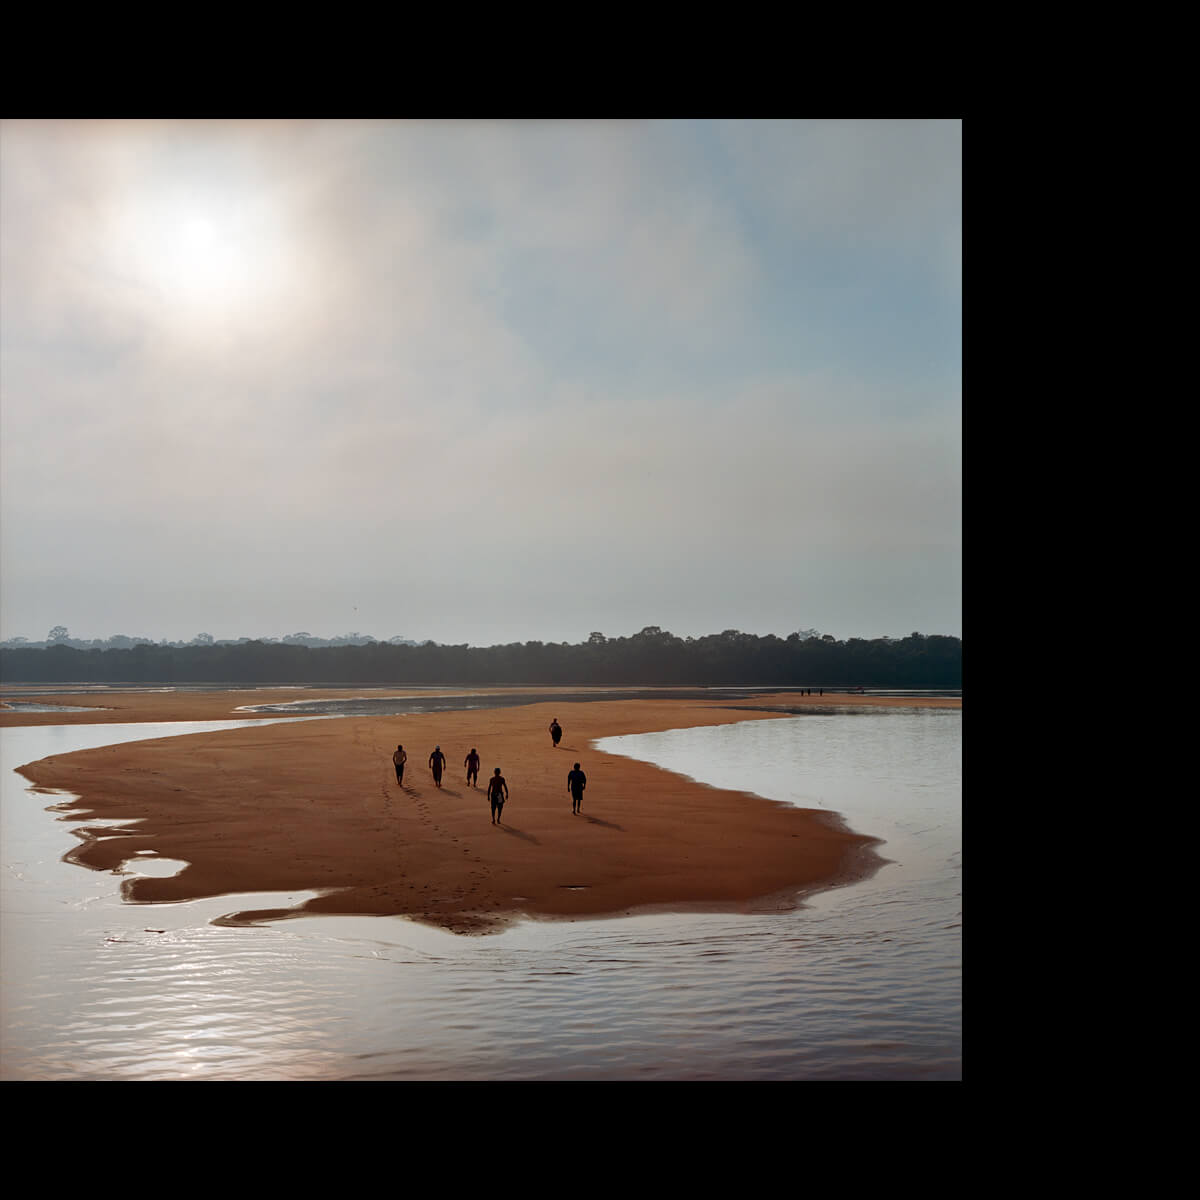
point(480, 381)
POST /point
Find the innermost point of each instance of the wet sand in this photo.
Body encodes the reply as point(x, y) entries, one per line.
point(315, 806)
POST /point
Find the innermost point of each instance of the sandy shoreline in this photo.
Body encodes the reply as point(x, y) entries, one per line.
point(314, 806)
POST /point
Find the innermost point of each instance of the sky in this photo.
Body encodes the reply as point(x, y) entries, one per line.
point(480, 381)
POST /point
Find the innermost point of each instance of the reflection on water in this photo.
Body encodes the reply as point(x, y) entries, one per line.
point(393, 704)
point(33, 706)
point(861, 983)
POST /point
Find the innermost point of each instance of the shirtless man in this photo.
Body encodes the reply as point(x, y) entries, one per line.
point(497, 794)
point(471, 762)
point(399, 758)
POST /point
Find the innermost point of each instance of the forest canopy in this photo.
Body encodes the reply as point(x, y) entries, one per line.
point(652, 657)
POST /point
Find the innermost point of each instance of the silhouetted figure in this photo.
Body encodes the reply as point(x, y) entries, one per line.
point(576, 782)
point(399, 758)
point(471, 762)
point(437, 760)
point(497, 794)
point(555, 732)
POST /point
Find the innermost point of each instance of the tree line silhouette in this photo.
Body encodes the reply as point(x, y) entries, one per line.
point(652, 657)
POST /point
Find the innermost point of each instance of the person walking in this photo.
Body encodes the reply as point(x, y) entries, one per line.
point(399, 758)
point(471, 762)
point(555, 732)
point(576, 782)
point(437, 760)
point(497, 794)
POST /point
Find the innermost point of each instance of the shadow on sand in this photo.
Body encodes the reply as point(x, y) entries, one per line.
point(525, 837)
point(606, 824)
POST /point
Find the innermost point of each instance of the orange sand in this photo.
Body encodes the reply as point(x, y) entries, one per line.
point(314, 806)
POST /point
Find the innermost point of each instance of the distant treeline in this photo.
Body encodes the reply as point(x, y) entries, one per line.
point(649, 658)
point(61, 636)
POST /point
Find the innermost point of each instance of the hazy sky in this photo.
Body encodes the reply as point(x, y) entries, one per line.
point(480, 381)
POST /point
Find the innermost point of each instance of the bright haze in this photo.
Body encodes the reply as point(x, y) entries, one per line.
point(480, 382)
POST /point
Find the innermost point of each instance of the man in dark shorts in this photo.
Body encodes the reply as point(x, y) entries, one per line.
point(399, 758)
point(471, 762)
point(437, 760)
point(497, 794)
point(555, 732)
point(576, 782)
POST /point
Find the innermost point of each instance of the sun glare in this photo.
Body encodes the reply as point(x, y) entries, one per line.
point(199, 257)
point(204, 258)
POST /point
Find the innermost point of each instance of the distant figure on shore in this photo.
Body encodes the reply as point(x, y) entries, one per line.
point(471, 762)
point(437, 760)
point(576, 782)
point(399, 758)
point(555, 732)
point(497, 794)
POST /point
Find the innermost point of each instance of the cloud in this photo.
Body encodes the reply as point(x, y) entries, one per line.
point(285, 362)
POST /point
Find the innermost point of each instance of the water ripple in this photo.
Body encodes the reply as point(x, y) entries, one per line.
point(861, 983)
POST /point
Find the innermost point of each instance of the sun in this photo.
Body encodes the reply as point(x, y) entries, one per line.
point(199, 258)
point(204, 257)
point(199, 239)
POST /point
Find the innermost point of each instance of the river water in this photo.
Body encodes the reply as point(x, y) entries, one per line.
point(861, 982)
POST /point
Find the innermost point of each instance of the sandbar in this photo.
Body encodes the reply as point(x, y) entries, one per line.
point(313, 806)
